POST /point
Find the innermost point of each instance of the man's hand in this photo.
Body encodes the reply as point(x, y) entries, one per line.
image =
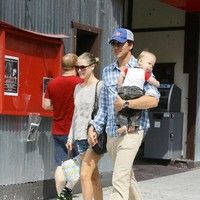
point(92, 136)
point(69, 145)
point(119, 102)
point(47, 104)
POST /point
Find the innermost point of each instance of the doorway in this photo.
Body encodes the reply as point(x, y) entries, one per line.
point(86, 38)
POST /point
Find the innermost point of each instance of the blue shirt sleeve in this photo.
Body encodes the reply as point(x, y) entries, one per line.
point(151, 91)
point(99, 121)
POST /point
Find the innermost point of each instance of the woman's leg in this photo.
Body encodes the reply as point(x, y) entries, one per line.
point(90, 178)
point(96, 183)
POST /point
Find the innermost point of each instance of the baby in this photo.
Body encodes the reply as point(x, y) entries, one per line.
point(130, 86)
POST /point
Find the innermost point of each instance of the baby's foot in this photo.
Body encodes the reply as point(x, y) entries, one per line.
point(131, 129)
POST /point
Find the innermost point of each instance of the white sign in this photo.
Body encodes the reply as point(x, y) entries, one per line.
point(11, 77)
point(157, 124)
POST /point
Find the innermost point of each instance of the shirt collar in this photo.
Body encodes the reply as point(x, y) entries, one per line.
point(132, 63)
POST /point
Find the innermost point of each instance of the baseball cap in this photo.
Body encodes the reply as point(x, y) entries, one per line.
point(122, 35)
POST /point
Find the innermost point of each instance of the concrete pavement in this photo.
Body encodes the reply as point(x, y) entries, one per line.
point(180, 186)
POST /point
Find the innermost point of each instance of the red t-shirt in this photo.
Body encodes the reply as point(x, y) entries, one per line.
point(61, 93)
point(147, 75)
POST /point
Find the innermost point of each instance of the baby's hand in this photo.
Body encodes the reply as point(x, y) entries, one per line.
point(122, 73)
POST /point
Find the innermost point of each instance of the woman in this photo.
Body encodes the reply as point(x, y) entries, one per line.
point(84, 95)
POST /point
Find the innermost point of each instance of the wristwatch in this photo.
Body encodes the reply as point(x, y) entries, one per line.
point(126, 104)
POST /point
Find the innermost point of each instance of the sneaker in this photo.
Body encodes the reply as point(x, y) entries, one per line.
point(66, 194)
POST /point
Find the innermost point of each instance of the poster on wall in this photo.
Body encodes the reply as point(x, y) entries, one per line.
point(45, 83)
point(11, 77)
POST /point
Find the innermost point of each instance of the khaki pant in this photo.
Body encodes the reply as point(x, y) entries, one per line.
point(122, 151)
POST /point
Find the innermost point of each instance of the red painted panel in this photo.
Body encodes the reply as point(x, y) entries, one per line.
point(187, 5)
point(2, 63)
point(37, 58)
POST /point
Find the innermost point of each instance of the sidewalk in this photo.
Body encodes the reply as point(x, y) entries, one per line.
point(180, 186)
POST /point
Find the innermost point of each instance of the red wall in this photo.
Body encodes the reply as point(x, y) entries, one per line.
point(38, 58)
point(187, 5)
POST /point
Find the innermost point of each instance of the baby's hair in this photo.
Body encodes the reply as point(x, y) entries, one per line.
point(146, 52)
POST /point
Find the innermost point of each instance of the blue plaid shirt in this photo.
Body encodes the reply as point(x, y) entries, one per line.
point(107, 113)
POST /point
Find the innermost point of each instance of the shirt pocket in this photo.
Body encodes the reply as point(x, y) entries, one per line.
point(112, 89)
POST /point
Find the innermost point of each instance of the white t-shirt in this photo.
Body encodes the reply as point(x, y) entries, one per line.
point(135, 77)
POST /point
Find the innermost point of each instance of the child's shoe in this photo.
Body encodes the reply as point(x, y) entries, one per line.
point(66, 194)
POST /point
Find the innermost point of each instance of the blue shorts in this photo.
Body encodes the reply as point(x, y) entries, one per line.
point(82, 146)
point(61, 153)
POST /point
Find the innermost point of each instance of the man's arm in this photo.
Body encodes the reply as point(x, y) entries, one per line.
point(46, 104)
point(149, 100)
point(144, 102)
point(100, 119)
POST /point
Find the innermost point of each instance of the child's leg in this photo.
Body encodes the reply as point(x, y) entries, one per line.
point(122, 122)
point(60, 181)
point(71, 169)
point(134, 121)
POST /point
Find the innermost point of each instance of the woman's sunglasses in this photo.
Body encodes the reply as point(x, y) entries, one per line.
point(82, 67)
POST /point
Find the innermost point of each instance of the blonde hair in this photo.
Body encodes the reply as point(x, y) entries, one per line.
point(146, 52)
point(89, 58)
point(69, 61)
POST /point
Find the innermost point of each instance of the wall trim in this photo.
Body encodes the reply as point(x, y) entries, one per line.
point(159, 29)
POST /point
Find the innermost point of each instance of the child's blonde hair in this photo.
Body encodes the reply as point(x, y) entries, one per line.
point(146, 52)
point(69, 61)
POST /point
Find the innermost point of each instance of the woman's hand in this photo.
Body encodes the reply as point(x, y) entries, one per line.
point(69, 145)
point(118, 103)
point(92, 136)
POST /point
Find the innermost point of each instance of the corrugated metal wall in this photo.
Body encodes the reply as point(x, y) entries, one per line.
point(20, 161)
point(55, 16)
point(23, 161)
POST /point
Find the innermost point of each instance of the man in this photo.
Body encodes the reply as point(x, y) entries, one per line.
point(59, 98)
point(122, 149)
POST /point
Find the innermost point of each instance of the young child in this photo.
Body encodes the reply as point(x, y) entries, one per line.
point(130, 86)
point(71, 170)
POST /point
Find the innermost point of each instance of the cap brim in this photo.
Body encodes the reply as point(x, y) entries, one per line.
point(121, 40)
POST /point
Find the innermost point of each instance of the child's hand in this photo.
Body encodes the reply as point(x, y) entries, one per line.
point(69, 145)
point(122, 73)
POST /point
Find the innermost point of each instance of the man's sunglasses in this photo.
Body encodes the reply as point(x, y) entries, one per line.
point(117, 44)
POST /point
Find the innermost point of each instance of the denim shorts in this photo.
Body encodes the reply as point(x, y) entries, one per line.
point(61, 153)
point(82, 146)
